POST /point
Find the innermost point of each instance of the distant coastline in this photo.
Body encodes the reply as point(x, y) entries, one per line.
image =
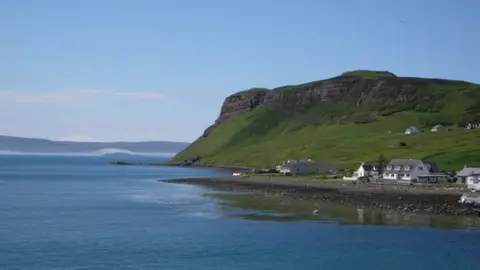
point(436, 200)
point(15, 145)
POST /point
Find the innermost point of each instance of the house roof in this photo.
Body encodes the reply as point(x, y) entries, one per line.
point(369, 167)
point(410, 162)
point(322, 165)
point(437, 126)
point(413, 163)
point(403, 162)
point(412, 128)
point(433, 166)
point(468, 171)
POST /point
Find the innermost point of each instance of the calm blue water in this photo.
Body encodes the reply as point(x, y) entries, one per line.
point(79, 213)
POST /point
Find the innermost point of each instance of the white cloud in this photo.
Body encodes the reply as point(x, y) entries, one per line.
point(68, 96)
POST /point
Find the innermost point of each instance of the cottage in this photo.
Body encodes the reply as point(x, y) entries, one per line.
point(438, 128)
point(412, 130)
point(473, 182)
point(308, 166)
point(413, 170)
point(465, 172)
point(473, 126)
point(364, 170)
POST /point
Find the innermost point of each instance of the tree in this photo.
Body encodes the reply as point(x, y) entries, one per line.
point(381, 162)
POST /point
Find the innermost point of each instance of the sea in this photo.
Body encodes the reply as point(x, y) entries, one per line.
point(80, 212)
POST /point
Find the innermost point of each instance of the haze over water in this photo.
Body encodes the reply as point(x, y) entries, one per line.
point(60, 212)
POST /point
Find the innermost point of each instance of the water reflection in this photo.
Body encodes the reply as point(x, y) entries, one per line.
point(279, 208)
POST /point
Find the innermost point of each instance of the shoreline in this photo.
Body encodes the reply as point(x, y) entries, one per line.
point(197, 166)
point(405, 198)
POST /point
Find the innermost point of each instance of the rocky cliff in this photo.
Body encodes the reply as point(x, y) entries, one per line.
point(358, 97)
point(382, 91)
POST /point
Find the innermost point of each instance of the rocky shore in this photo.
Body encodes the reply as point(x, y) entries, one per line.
point(438, 200)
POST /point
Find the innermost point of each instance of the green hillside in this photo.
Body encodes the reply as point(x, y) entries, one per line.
point(348, 131)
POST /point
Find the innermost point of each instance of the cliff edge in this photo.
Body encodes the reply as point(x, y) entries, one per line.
point(346, 119)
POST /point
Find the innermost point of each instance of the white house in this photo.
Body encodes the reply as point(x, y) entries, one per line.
point(437, 128)
point(308, 166)
point(473, 126)
point(412, 170)
point(363, 171)
point(412, 130)
point(473, 182)
point(465, 172)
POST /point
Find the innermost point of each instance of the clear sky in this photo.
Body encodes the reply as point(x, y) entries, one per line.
point(112, 70)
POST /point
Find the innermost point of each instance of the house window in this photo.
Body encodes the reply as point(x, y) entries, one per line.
point(407, 168)
point(397, 168)
point(389, 167)
point(392, 175)
point(407, 175)
point(420, 168)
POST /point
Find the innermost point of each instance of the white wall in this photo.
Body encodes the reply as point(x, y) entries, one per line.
point(360, 172)
point(471, 183)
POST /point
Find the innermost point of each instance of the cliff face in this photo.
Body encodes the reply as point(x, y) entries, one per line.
point(255, 122)
point(350, 89)
point(328, 91)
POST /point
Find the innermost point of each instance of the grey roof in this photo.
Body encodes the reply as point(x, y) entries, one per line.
point(433, 166)
point(403, 162)
point(412, 128)
point(437, 126)
point(411, 162)
point(321, 165)
point(468, 171)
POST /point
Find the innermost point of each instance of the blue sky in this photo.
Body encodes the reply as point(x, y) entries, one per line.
point(111, 70)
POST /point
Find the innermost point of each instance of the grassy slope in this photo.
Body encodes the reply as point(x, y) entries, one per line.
point(267, 136)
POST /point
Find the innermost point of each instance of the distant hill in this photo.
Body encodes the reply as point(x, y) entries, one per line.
point(347, 119)
point(31, 145)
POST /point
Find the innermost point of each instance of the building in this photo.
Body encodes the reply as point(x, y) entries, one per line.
point(308, 166)
point(473, 182)
point(412, 130)
point(365, 170)
point(473, 126)
point(413, 170)
point(465, 172)
point(438, 128)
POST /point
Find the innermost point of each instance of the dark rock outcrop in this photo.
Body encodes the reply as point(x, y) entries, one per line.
point(345, 88)
point(381, 89)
